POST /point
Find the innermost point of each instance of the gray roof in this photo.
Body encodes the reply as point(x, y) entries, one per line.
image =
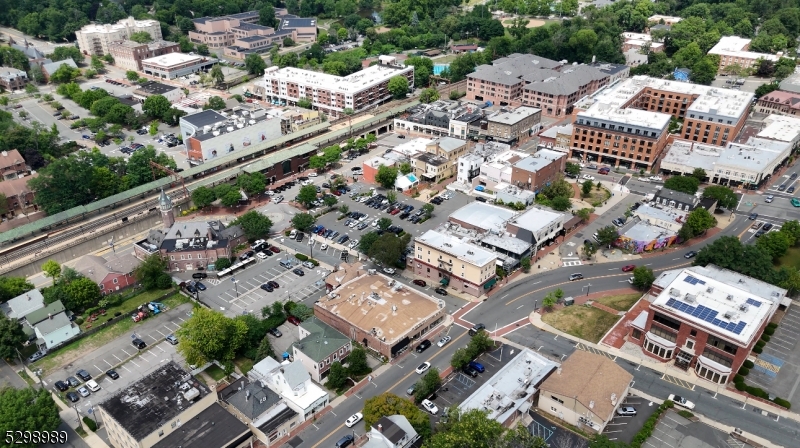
point(251, 26)
point(390, 430)
point(253, 399)
point(536, 219)
point(508, 243)
point(289, 22)
point(570, 80)
point(41, 314)
point(30, 51)
point(155, 88)
point(204, 118)
point(677, 196)
point(506, 77)
point(642, 231)
point(23, 304)
point(295, 374)
point(53, 66)
point(512, 69)
point(9, 73)
point(484, 216)
point(532, 164)
point(58, 321)
point(323, 340)
point(214, 426)
point(449, 144)
point(515, 116)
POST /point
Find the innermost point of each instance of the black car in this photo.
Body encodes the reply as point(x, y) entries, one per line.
point(782, 187)
point(275, 332)
point(246, 255)
point(423, 346)
point(760, 233)
point(274, 284)
point(767, 226)
point(72, 381)
point(440, 291)
point(267, 252)
point(753, 216)
point(83, 375)
point(200, 286)
point(790, 190)
point(793, 176)
point(470, 371)
point(112, 374)
point(267, 287)
point(299, 272)
point(138, 343)
point(73, 397)
point(61, 386)
point(690, 254)
point(199, 275)
point(191, 289)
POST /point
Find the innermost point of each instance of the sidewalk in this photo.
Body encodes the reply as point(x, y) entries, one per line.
point(536, 320)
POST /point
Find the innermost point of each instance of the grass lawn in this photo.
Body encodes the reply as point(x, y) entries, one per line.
point(584, 322)
point(69, 353)
point(791, 259)
point(622, 302)
point(596, 197)
point(244, 364)
point(215, 372)
point(445, 59)
point(126, 307)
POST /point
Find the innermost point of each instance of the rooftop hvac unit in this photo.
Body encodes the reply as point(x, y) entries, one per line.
point(729, 297)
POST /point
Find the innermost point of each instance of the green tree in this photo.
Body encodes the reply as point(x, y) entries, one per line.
point(67, 52)
point(307, 195)
point(256, 332)
point(255, 64)
point(461, 358)
point(473, 429)
point(266, 16)
point(643, 277)
point(64, 74)
point(329, 201)
point(584, 214)
point(209, 335)
point(428, 209)
point(150, 270)
point(139, 170)
point(264, 350)
point(423, 69)
point(429, 95)
point(586, 188)
point(572, 169)
point(337, 376)
point(215, 103)
point(82, 293)
point(606, 236)
point(398, 86)
point(97, 63)
point(344, 209)
point(131, 75)
point(391, 196)
point(217, 75)
point(430, 382)
point(406, 168)
point(11, 337)
point(156, 106)
point(366, 242)
point(28, 410)
point(388, 248)
point(252, 184)
point(384, 223)
point(792, 230)
point(386, 176)
point(11, 287)
point(142, 37)
point(223, 263)
point(705, 71)
point(51, 269)
point(775, 244)
point(728, 252)
point(560, 203)
point(725, 197)
point(303, 221)
point(202, 50)
point(684, 184)
point(255, 225)
point(387, 404)
point(203, 196)
point(698, 221)
point(357, 362)
point(699, 174)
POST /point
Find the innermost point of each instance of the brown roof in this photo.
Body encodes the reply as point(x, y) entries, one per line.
point(590, 378)
point(10, 158)
point(16, 187)
point(345, 273)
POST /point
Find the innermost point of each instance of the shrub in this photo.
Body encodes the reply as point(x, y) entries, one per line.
point(758, 349)
point(765, 337)
point(90, 423)
point(286, 233)
point(782, 402)
point(685, 414)
point(744, 371)
point(769, 331)
point(79, 321)
point(749, 364)
point(756, 392)
point(760, 344)
point(740, 386)
point(314, 262)
point(92, 310)
point(738, 379)
point(772, 325)
point(301, 257)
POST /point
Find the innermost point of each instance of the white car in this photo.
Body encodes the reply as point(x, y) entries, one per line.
point(443, 341)
point(261, 256)
point(353, 224)
point(375, 223)
point(311, 241)
point(363, 218)
point(447, 195)
point(643, 179)
point(587, 177)
point(312, 174)
point(279, 199)
point(425, 366)
point(92, 385)
point(355, 418)
point(257, 243)
point(269, 193)
point(655, 178)
point(306, 182)
point(430, 407)
point(324, 246)
point(680, 401)
point(769, 198)
point(353, 244)
point(389, 271)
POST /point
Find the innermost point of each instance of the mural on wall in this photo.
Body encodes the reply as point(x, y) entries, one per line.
point(637, 247)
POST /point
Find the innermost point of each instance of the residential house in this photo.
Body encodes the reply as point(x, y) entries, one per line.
point(111, 274)
point(293, 383)
point(392, 431)
point(264, 411)
point(23, 304)
point(12, 165)
point(319, 345)
point(51, 325)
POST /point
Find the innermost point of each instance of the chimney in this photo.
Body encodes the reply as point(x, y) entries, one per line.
point(380, 427)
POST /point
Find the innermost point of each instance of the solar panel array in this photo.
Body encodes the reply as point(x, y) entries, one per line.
point(755, 303)
point(693, 280)
point(707, 315)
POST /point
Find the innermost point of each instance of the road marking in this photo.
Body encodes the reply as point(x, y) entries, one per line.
point(134, 363)
point(98, 368)
point(520, 306)
point(126, 369)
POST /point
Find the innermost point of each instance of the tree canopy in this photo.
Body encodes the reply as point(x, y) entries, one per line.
point(28, 410)
point(209, 335)
point(684, 184)
point(725, 197)
point(255, 225)
point(386, 176)
point(390, 404)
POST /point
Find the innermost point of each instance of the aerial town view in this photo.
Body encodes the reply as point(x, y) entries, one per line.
point(395, 224)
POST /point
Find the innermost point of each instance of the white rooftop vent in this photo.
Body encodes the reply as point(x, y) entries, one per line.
point(690, 298)
point(730, 315)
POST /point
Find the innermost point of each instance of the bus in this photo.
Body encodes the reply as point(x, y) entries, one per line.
point(235, 267)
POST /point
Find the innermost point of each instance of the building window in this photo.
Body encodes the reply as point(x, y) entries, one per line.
point(557, 399)
point(664, 320)
point(115, 281)
point(636, 333)
point(722, 345)
point(658, 331)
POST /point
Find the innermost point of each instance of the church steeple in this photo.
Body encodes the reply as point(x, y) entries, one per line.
point(165, 204)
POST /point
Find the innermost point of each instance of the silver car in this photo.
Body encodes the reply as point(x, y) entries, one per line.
point(626, 411)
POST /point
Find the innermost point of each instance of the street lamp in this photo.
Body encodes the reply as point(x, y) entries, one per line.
point(236, 286)
point(78, 414)
point(589, 285)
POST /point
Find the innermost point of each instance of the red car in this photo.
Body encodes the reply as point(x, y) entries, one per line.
point(395, 211)
point(628, 268)
point(274, 250)
point(420, 283)
point(294, 320)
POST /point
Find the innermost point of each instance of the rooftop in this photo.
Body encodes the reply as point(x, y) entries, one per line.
point(722, 302)
point(40, 314)
point(537, 219)
point(511, 69)
point(53, 66)
point(757, 154)
point(508, 390)
point(669, 215)
point(213, 426)
point(353, 83)
point(122, 24)
point(378, 304)
point(470, 253)
point(252, 123)
point(154, 400)
point(791, 99)
point(791, 83)
point(205, 118)
point(735, 46)
point(532, 164)
point(289, 22)
point(172, 59)
point(431, 159)
point(511, 118)
point(54, 323)
point(23, 304)
point(155, 88)
point(509, 243)
point(677, 196)
point(780, 127)
point(322, 340)
point(569, 80)
point(484, 216)
point(655, 121)
point(645, 232)
point(11, 158)
point(393, 428)
point(10, 73)
point(448, 144)
point(251, 398)
point(595, 381)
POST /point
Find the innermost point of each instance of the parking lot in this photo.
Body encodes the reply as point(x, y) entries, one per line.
point(624, 428)
point(119, 350)
point(776, 369)
point(674, 431)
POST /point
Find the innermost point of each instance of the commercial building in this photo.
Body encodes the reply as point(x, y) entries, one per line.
point(129, 54)
point(20, 306)
point(154, 407)
point(95, 39)
point(304, 29)
point(497, 169)
point(513, 390)
point(482, 217)
point(626, 124)
point(439, 159)
point(189, 245)
point(150, 88)
point(12, 79)
point(380, 313)
point(436, 119)
point(558, 137)
point(537, 226)
point(34, 55)
point(219, 32)
point(452, 262)
point(666, 217)
point(638, 236)
point(392, 431)
point(706, 319)
point(210, 134)
point(791, 83)
point(50, 326)
point(319, 345)
point(214, 426)
point(12, 165)
point(297, 120)
point(535, 172)
point(112, 273)
point(779, 102)
point(265, 412)
point(640, 42)
point(175, 65)
point(293, 383)
point(332, 94)
point(511, 126)
point(663, 20)
point(586, 391)
point(734, 50)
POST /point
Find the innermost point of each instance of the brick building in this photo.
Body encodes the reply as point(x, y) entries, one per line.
point(12, 79)
point(319, 345)
point(12, 165)
point(129, 54)
point(735, 50)
point(707, 319)
point(111, 273)
point(446, 260)
point(779, 102)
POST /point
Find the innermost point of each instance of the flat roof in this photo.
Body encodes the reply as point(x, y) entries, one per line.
point(757, 154)
point(644, 118)
point(172, 59)
point(155, 88)
point(213, 426)
point(205, 118)
point(462, 250)
point(780, 127)
point(449, 144)
point(370, 303)
point(670, 215)
point(361, 80)
point(642, 231)
point(509, 243)
point(144, 406)
point(511, 387)
point(515, 116)
point(734, 46)
point(484, 216)
point(121, 24)
point(537, 219)
point(723, 303)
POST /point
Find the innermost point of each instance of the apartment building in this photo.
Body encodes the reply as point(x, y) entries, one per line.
point(452, 262)
point(736, 50)
point(12, 79)
point(129, 54)
point(332, 94)
point(440, 159)
point(513, 126)
point(175, 65)
point(95, 39)
point(556, 92)
point(706, 319)
point(502, 82)
point(13, 165)
point(779, 102)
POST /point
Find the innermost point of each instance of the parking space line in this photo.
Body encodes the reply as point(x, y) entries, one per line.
point(162, 334)
point(116, 357)
point(98, 368)
point(134, 363)
point(126, 352)
point(126, 368)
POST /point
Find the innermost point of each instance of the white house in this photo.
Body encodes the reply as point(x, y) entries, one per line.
point(291, 381)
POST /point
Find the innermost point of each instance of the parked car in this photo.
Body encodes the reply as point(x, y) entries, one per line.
point(73, 397)
point(477, 366)
point(172, 339)
point(440, 291)
point(389, 271)
point(628, 268)
point(61, 386)
point(275, 332)
point(83, 375)
point(92, 385)
point(419, 282)
point(410, 390)
point(430, 407)
point(769, 198)
point(423, 346)
point(267, 287)
point(299, 272)
point(138, 343)
point(626, 411)
point(355, 418)
point(200, 286)
point(83, 391)
point(294, 320)
point(72, 381)
point(470, 371)
point(37, 356)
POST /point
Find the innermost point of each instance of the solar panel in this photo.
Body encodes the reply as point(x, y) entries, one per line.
point(707, 315)
point(755, 303)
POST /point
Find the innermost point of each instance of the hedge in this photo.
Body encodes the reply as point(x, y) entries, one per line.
point(782, 402)
point(685, 414)
point(757, 392)
point(760, 343)
point(765, 337)
point(749, 364)
point(769, 331)
point(738, 379)
point(301, 257)
point(740, 386)
point(744, 371)
point(90, 423)
point(772, 325)
point(314, 262)
point(649, 426)
point(758, 349)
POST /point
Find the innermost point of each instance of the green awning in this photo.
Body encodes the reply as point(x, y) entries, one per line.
point(445, 281)
point(490, 283)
